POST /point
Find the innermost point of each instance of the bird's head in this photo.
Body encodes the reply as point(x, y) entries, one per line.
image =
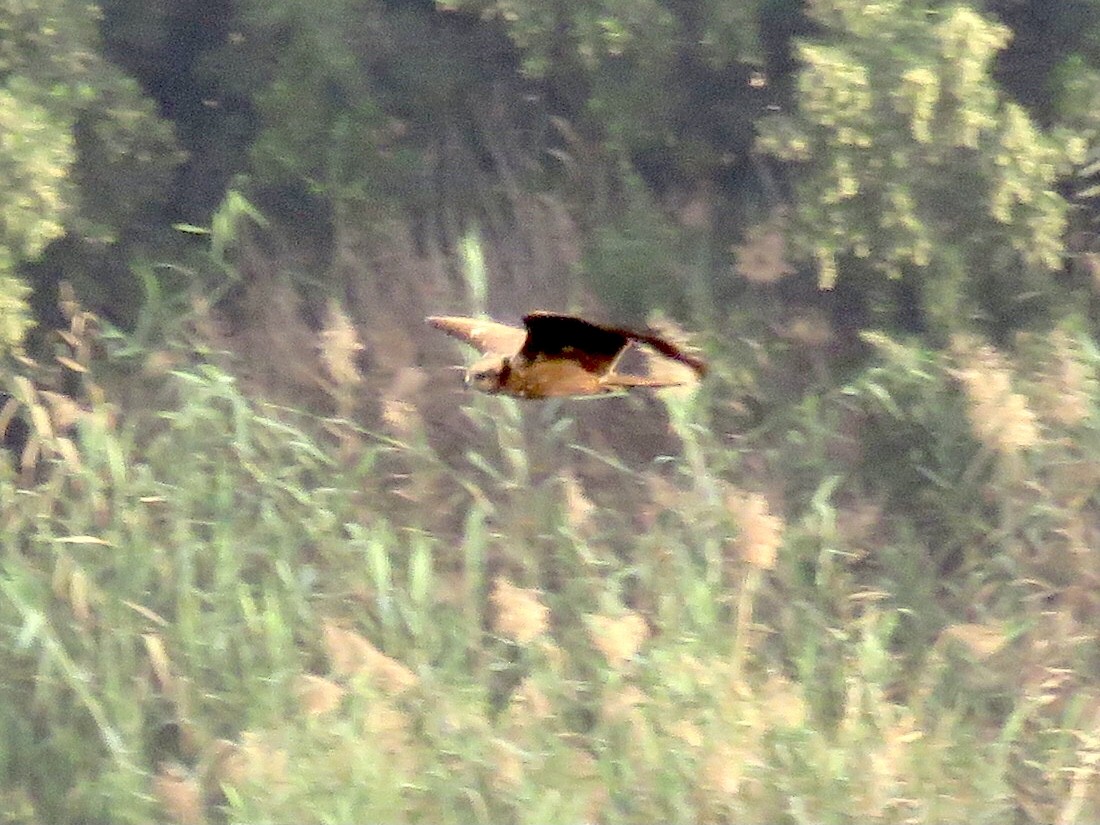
point(489, 374)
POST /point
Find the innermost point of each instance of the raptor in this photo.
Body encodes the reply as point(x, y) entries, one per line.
point(554, 355)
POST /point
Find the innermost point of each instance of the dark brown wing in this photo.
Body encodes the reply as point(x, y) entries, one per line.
point(551, 336)
point(487, 336)
point(595, 346)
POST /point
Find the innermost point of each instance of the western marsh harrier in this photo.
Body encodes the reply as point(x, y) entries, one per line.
point(556, 355)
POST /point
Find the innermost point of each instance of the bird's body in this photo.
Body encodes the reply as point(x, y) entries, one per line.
point(556, 355)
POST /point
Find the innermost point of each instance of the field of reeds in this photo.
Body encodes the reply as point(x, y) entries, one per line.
point(878, 603)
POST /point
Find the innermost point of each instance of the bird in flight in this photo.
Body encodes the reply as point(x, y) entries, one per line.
point(554, 355)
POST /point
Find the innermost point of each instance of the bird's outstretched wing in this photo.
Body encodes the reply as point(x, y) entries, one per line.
point(554, 336)
point(489, 337)
point(595, 346)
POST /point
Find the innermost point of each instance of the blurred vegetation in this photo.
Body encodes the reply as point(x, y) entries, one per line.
point(263, 560)
point(919, 165)
point(87, 157)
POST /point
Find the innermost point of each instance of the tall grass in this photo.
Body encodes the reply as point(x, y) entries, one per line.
point(229, 612)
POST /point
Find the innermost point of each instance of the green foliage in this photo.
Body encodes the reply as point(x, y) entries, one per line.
point(916, 442)
point(647, 77)
point(1075, 100)
point(82, 149)
point(36, 150)
point(877, 604)
point(127, 155)
point(600, 33)
point(320, 117)
point(14, 315)
point(224, 609)
point(356, 112)
point(918, 164)
point(117, 151)
point(631, 262)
